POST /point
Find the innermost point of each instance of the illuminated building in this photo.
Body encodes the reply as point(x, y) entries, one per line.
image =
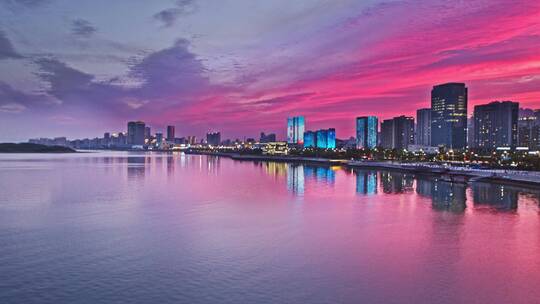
point(309, 139)
point(322, 139)
point(496, 125)
point(449, 115)
point(295, 130)
point(275, 148)
point(366, 132)
point(529, 128)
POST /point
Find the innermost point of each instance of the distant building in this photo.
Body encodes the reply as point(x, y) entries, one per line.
point(170, 133)
point(423, 149)
point(495, 125)
point(423, 127)
point(191, 140)
point(159, 139)
point(295, 130)
point(397, 133)
point(136, 133)
point(366, 132)
point(449, 115)
point(265, 138)
point(147, 133)
point(106, 139)
point(213, 139)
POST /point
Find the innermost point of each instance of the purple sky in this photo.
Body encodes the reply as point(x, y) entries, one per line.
point(81, 68)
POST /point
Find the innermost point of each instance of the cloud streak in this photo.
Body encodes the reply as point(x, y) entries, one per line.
point(82, 28)
point(6, 48)
point(169, 16)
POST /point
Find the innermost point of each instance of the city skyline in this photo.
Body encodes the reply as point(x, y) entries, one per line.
point(70, 70)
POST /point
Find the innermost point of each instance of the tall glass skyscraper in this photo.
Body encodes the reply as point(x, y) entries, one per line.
point(322, 139)
point(366, 132)
point(331, 139)
point(309, 139)
point(449, 115)
point(295, 130)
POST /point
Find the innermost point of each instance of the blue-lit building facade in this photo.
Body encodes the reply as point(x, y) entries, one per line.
point(366, 132)
point(322, 139)
point(310, 140)
point(295, 130)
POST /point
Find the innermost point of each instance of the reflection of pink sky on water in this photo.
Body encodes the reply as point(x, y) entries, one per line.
point(198, 225)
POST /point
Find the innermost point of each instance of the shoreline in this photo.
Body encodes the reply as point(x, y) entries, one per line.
point(451, 174)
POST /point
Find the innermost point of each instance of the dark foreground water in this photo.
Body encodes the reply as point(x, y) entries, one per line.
point(157, 228)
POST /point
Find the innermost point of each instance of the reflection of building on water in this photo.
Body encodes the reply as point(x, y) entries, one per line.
point(136, 166)
point(326, 175)
point(366, 182)
point(396, 182)
point(295, 178)
point(275, 169)
point(321, 174)
point(213, 163)
point(493, 195)
point(444, 195)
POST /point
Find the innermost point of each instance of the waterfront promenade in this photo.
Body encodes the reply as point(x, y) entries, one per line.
point(452, 173)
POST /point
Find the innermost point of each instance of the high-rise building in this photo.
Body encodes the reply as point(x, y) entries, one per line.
point(213, 138)
point(397, 133)
point(529, 128)
point(366, 132)
point(496, 125)
point(310, 139)
point(136, 132)
point(147, 133)
point(423, 127)
point(170, 133)
point(387, 134)
point(106, 139)
point(159, 139)
point(470, 132)
point(449, 115)
point(295, 130)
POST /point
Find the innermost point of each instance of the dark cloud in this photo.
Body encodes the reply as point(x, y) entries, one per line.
point(169, 16)
point(6, 48)
point(170, 78)
point(82, 28)
point(21, 4)
point(171, 71)
point(76, 89)
point(15, 101)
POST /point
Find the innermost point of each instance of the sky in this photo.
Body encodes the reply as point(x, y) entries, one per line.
point(82, 68)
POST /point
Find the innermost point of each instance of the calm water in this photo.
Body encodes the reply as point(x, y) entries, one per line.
point(155, 228)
